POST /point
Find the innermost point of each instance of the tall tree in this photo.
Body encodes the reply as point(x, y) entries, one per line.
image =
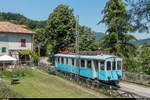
point(60, 28)
point(87, 40)
point(117, 21)
point(140, 11)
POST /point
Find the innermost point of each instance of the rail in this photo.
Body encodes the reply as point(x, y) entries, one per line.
point(98, 86)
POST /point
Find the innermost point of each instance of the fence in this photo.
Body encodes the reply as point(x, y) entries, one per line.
point(137, 78)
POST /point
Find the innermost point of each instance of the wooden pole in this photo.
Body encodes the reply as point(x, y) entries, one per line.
point(39, 51)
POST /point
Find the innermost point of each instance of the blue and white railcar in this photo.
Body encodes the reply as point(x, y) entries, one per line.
point(106, 68)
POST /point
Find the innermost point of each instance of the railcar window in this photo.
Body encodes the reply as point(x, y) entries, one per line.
point(108, 65)
point(89, 64)
point(119, 65)
point(62, 60)
point(96, 64)
point(66, 61)
point(102, 65)
point(58, 60)
point(114, 65)
point(82, 63)
point(72, 62)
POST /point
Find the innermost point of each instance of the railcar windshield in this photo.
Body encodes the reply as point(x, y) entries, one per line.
point(113, 65)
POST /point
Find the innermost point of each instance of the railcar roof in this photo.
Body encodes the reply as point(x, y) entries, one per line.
point(102, 56)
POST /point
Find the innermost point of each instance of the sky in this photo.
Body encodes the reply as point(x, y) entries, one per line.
point(89, 11)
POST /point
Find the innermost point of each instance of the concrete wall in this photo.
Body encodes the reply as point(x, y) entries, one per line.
point(12, 41)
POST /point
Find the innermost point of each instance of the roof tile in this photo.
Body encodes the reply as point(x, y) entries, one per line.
point(7, 27)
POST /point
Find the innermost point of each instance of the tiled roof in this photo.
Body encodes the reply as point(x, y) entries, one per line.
point(7, 27)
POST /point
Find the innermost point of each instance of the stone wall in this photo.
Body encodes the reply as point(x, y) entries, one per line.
point(137, 78)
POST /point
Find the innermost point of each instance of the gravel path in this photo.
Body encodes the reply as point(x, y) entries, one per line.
point(98, 95)
point(143, 91)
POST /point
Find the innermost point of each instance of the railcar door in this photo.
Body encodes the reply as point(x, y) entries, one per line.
point(96, 66)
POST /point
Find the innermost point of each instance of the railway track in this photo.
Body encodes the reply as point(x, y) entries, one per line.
point(137, 89)
point(126, 91)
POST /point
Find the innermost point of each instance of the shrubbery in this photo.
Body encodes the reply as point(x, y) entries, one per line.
point(18, 73)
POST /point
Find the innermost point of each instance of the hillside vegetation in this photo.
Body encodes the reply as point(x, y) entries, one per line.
point(19, 19)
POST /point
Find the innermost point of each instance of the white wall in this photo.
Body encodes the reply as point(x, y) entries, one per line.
point(12, 41)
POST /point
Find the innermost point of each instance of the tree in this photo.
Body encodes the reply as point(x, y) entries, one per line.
point(87, 40)
point(40, 41)
point(144, 59)
point(140, 11)
point(117, 19)
point(60, 28)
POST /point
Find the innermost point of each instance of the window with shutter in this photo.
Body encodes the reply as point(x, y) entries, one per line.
point(23, 43)
point(3, 49)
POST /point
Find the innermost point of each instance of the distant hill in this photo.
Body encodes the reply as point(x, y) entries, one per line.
point(142, 41)
point(21, 20)
point(99, 35)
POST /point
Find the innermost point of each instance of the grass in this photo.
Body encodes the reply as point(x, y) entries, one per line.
point(39, 85)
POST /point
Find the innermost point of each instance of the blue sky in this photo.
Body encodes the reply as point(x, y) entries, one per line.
point(88, 10)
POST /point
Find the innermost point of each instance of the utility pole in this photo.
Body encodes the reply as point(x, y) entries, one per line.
point(77, 46)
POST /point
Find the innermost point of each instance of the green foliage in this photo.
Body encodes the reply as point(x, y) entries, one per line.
point(21, 72)
point(7, 73)
point(87, 40)
point(21, 20)
point(144, 59)
point(117, 19)
point(60, 28)
point(31, 53)
point(139, 9)
point(117, 41)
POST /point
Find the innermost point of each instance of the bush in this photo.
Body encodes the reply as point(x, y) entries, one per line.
point(22, 72)
point(7, 73)
point(18, 73)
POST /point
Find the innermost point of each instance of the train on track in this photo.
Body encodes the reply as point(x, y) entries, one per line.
point(105, 68)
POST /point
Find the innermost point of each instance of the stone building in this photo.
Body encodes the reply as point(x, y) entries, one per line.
point(13, 38)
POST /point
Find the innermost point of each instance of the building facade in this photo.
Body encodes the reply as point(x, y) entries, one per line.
point(13, 38)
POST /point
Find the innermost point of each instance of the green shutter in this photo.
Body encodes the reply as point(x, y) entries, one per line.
point(3, 49)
